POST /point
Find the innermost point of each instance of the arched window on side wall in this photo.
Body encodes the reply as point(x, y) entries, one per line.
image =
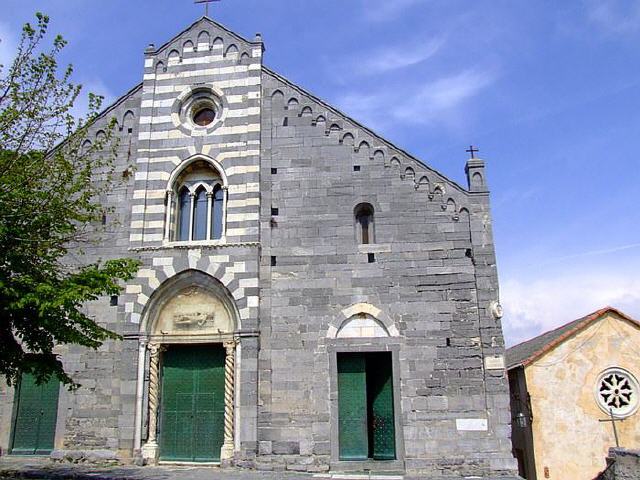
point(197, 213)
point(364, 223)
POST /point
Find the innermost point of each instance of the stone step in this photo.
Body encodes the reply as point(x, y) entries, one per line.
point(360, 476)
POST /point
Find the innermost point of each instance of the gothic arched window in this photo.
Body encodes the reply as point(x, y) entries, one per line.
point(184, 214)
point(364, 223)
point(197, 213)
point(200, 215)
point(217, 212)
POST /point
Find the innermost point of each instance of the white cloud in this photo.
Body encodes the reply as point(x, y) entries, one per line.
point(389, 59)
point(593, 253)
point(384, 10)
point(615, 16)
point(443, 96)
point(537, 306)
point(438, 101)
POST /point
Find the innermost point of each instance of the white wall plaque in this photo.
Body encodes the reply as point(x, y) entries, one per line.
point(472, 424)
point(494, 362)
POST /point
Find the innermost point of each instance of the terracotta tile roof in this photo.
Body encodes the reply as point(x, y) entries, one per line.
point(526, 352)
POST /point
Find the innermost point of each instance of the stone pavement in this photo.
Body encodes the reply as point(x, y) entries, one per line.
point(41, 468)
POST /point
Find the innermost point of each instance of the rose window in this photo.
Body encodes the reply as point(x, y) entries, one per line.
point(617, 391)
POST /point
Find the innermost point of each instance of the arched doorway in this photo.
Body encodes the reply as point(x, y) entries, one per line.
point(189, 330)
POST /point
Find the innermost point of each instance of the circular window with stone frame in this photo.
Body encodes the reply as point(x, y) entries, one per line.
point(617, 391)
point(199, 110)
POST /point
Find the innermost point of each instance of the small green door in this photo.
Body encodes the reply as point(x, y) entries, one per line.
point(366, 426)
point(381, 418)
point(36, 412)
point(192, 404)
point(352, 407)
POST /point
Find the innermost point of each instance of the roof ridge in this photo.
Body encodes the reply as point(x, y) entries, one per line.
point(193, 24)
point(571, 327)
point(113, 105)
point(547, 332)
point(360, 125)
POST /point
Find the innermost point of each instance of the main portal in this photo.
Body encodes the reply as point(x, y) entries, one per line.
point(192, 403)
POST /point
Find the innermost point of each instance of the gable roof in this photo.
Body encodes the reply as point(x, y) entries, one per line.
point(527, 352)
point(207, 21)
point(359, 125)
point(211, 23)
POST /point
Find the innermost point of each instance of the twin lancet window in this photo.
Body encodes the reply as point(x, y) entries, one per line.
point(197, 205)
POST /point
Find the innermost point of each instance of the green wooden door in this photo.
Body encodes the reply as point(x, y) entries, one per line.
point(192, 404)
point(352, 407)
point(381, 418)
point(36, 412)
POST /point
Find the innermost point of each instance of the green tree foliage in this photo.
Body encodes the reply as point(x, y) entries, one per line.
point(50, 188)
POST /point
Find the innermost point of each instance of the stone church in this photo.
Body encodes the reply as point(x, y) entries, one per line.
point(312, 297)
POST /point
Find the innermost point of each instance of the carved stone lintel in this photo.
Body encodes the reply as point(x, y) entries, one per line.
point(227, 451)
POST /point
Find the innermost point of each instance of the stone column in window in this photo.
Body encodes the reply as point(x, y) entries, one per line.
point(167, 217)
point(227, 452)
point(209, 209)
point(225, 189)
point(150, 449)
point(192, 196)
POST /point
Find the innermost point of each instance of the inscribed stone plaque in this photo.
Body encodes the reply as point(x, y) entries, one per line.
point(472, 424)
point(494, 362)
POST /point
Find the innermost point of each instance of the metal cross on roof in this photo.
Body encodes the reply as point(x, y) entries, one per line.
point(472, 150)
point(613, 421)
point(206, 5)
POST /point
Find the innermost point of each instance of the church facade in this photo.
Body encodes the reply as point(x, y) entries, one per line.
point(311, 297)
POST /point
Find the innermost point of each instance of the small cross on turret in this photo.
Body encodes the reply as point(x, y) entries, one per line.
point(472, 150)
point(475, 172)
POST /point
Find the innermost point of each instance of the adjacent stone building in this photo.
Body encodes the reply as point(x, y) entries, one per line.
point(312, 297)
point(563, 384)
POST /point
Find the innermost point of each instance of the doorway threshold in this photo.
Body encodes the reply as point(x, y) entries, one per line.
point(188, 464)
point(360, 476)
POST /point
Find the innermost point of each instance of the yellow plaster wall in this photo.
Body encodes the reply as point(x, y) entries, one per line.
point(568, 439)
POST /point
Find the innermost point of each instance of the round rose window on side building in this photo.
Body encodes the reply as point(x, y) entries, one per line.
point(617, 391)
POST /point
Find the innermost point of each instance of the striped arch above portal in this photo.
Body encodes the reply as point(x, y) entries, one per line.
point(365, 310)
point(239, 276)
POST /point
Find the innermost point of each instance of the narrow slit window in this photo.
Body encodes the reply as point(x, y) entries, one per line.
point(364, 223)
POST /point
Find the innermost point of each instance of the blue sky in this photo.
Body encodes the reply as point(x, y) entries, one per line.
point(549, 91)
